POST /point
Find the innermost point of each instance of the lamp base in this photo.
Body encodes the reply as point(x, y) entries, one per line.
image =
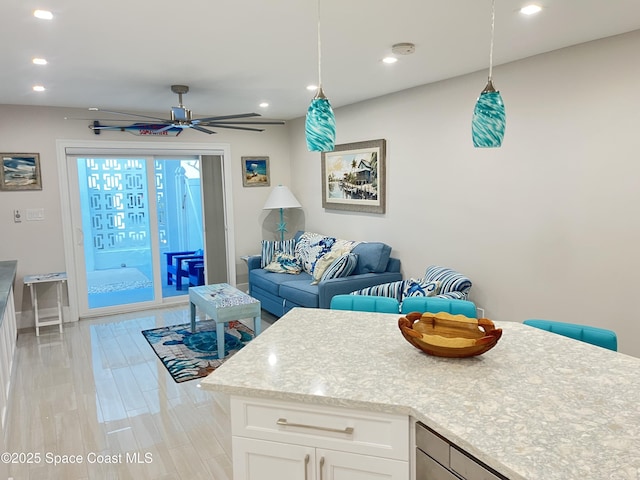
point(282, 226)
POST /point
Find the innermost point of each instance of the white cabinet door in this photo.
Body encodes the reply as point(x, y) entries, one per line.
point(334, 465)
point(264, 460)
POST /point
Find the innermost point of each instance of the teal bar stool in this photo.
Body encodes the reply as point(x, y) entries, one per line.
point(593, 335)
point(365, 303)
point(437, 304)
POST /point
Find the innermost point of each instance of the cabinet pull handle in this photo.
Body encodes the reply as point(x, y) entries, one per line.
point(321, 466)
point(283, 422)
point(306, 466)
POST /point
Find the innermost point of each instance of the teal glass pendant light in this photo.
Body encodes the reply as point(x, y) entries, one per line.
point(320, 125)
point(489, 118)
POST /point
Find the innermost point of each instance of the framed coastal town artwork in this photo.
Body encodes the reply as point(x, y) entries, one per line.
point(353, 177)
point(255, 172)
point(20, 171)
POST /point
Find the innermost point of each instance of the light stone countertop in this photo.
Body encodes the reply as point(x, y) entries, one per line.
point(538, 406)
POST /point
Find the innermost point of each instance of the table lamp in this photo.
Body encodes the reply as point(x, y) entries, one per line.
point(281, 197)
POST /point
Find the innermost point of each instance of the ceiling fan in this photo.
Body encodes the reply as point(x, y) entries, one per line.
point(179, 120)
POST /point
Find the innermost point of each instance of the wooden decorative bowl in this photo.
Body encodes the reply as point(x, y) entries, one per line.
point(445, 335)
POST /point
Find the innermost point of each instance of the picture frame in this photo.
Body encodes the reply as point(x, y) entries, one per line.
point(354, 177)
point(255, 172)
point(20, 171)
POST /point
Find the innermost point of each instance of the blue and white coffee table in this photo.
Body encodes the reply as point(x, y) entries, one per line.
point(223, 303)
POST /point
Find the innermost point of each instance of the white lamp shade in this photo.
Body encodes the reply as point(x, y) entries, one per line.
point(281, 197)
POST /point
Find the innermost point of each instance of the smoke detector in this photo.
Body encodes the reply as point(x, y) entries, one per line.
point(403, 48)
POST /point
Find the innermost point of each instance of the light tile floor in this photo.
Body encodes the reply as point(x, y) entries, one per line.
point(99, 394)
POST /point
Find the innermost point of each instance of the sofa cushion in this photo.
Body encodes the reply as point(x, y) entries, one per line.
point(270, 282)
point(284, 263)
point(270, 247)
point(300, 292)
point(341, 267)
point(372, 257)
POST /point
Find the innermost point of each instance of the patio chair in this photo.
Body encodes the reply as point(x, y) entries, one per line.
point(178, 265)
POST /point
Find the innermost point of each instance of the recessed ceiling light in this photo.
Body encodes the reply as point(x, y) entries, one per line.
point(263, 105)
point(43, 14)
point(389, 60)
point(38, 88)
point(39, 61)
point(312, 87)
point(531, 9)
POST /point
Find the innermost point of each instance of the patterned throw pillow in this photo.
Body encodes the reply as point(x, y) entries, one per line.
point(284, 263)
point(270, 247)
point(419, 288)
point(310, 248)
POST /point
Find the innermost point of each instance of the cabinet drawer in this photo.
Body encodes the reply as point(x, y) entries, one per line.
point(433, 445)
point(468, 467)
point(348, 430)
point(428, 469)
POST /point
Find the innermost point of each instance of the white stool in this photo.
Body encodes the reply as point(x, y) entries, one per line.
point(32, 280)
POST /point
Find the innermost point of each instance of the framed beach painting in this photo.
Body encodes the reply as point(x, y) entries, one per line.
point(353, 177)
point(255, 172)
point(20, 171)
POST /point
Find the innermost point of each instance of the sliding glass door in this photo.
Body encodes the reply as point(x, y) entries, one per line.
point(140, 234)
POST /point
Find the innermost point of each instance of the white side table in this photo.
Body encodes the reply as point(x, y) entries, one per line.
point(32, 280)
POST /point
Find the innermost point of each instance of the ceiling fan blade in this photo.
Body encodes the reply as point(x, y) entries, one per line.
point(231, 122)
point(225, 117)
point(162, 120)
point(216, 125)
point(200, 129)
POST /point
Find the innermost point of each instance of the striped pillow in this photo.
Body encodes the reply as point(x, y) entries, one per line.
point(341, 267)
point(270, 247)
point(401, 289)
point(391, 289)
point(451, 282)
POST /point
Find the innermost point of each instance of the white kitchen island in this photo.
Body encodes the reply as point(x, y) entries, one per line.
point(538, 406)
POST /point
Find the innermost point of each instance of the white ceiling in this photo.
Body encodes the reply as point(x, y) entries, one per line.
point(234, 54)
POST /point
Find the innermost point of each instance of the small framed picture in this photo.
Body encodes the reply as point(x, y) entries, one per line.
point(255, 172)
point(20, 171)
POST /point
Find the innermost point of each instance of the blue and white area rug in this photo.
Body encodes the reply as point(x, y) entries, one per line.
point(187, 355)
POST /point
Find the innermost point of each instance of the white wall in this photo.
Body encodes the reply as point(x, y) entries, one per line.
point(38, 246)
point(548, 226)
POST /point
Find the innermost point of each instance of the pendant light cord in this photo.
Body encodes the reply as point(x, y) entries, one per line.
point(493, 25)
point(319, 50)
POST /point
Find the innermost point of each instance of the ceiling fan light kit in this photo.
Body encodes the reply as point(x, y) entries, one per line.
point(180, 119)
point(489, 117)
point(320, 124)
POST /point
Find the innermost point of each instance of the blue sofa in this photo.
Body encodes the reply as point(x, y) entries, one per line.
point(280, 292)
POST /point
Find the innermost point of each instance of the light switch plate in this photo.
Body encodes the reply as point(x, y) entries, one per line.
point(35, 214)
